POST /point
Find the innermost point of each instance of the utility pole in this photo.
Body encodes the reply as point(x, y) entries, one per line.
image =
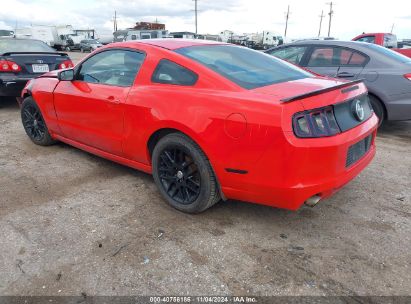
point(331, 15)
point(195, 12)
point(287, 15)
point(392, 28)
point(115, 21)
point(321, 22)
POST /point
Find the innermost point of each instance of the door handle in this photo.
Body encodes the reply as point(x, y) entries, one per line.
point(345, 75)
point(112, 99)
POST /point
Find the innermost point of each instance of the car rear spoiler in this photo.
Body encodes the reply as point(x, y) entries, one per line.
point(33, 53)
point(320, 91)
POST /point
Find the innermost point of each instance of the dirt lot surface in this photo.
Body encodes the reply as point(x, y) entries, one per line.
point(74, 223)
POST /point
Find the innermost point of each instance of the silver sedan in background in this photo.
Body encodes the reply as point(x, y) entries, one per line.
point(387, 74)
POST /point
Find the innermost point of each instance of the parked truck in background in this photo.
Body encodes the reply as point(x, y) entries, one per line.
point(387, 40)
point(61, 37)
point(38, 32)
point(259, 41)
point(6, 33)
point(265, 40)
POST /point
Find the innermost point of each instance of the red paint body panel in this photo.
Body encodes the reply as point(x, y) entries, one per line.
point(249, 130)
point(379, 39)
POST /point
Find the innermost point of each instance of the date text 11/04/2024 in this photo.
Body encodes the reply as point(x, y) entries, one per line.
point(203, 299)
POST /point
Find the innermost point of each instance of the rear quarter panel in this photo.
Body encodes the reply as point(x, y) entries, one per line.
point(229, 141)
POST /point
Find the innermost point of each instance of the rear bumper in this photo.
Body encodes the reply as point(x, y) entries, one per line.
point(12, 87)
point(287, 177)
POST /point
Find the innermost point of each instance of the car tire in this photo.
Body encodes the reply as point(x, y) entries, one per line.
point(378, 108)
point(34, 124)
point(183, 174)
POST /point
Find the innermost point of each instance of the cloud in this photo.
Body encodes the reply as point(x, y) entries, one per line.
point(351, 17)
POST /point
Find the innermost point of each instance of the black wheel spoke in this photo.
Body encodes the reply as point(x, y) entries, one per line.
point(179, 175)
point(191, 188)
point(191, 171)
point(33, 123)
point(174, 191)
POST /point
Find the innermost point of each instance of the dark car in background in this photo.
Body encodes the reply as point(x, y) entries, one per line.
point(387, 74)
point(89, 45)
point(24, 59)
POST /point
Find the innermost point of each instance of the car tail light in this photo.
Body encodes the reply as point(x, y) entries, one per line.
point(9, 66)
point(315, 123)
point(408, 76)
point(66, 64)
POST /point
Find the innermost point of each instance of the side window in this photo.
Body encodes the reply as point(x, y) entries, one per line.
point(368, 39)
point(169, 72)
point(358, 59)
point(321, 57)
point(113, 67)
point(292, 54)
point(335, 57)
point(133, 37)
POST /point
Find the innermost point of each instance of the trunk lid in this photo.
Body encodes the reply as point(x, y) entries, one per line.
point(314, 92)
point(35, 64)
point(297, 87)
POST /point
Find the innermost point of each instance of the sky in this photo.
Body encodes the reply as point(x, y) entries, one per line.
point(350, 18)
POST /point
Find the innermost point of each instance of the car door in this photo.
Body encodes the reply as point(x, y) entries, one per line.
point(336, 61)
point(90, 109)
point(293, 54)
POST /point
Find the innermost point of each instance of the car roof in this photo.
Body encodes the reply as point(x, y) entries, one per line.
point(26, 39)
point(377, 58)
point(174, 43)
point(356, 45)
point(330, 42)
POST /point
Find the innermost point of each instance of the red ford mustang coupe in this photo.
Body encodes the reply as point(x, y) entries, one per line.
point(209, 120)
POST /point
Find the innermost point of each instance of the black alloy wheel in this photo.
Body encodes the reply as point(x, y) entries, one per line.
point(179, 175)
point(34, 124)
point(183, 174)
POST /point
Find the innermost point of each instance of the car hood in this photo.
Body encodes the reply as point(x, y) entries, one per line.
point(298, 87)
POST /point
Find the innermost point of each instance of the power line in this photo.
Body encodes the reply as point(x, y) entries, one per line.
point(287, 16)
point(321, 22)
point(331, 13)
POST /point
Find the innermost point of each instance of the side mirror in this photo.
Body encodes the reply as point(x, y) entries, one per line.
point(66, 75)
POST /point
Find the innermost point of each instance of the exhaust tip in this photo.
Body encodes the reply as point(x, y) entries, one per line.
point(313, 200)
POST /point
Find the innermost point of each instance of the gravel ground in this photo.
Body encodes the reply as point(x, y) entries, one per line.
point(74, 223)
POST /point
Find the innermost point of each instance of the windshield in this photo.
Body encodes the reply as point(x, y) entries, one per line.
point(6, 33)
point(24, 45)
point(248, 68)
point(93, 41)
point(392, 54)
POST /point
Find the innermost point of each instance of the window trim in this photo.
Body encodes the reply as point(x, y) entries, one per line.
point(77, 69)
point(306, 51)
point(314, 46)
point(159, 81)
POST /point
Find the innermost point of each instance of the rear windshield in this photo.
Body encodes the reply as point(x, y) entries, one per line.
point(26, 45)
point(392, 54)
point(248, 68)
